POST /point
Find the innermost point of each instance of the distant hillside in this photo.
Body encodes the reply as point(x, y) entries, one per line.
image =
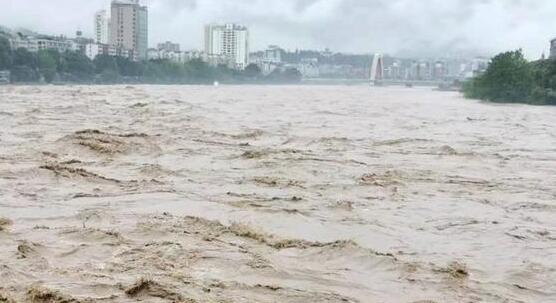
point(6, 31)
point(24, 31)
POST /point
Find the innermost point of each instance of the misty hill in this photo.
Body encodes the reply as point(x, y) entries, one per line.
point(6, 31)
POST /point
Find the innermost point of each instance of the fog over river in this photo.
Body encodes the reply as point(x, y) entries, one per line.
point(274, 194)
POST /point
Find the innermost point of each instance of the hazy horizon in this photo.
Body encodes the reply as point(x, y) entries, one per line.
point(396, 27)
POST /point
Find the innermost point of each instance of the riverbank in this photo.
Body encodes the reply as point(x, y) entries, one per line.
point(510, 78)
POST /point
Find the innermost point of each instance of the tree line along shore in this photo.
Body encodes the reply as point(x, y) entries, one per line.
point(51, 66)
point(510, 78)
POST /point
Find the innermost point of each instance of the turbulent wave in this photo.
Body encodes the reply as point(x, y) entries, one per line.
point(287, 194)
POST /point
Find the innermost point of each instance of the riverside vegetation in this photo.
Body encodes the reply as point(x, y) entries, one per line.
point(510, 78)
point(51, 66)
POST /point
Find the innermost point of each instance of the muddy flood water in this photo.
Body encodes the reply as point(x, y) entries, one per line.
point(274, 194)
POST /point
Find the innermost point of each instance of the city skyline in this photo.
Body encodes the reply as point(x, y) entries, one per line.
point(398, 27)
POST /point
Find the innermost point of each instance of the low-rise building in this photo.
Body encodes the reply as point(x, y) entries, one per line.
point(37, 43)
point(174, 56)
point(193, 54)
point(62, 44)
point(310, 68)
point(79, 43)
point(169, 46)
point(92, 50)
point(273, 54)
point(267, 60)
point(4, 77)
point(215, 60)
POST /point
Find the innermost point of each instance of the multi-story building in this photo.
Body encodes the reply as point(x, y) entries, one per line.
point(37, 43)
point(273, 54)
point(80, 43)
point(174, 56)
point(169, 46)
point(192, 55)
point(553, 49)
point(161, 54)
point(102, 27)
point(229, 41)
point(62, 44)
point(4, 76)
point(129, 26)
point(267, 60)
point(394, 71)
point(479, 65)
point(309, 68)
point(92, 50)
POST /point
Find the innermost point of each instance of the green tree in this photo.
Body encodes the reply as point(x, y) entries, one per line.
point(23, 57)
point(153, 73)
point(544, 73)
point(47, 64)
point(105, 62)
point(225, 74)
point(198, 71)
point(78, 66)
point(24, 66)
point(109, 76)
point(128, 68)
point(5, 53)
point(509, 78)
point(252, 71)
point(23, 73)
point(292, 75)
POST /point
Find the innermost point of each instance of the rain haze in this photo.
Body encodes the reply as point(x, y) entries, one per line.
point(397, 27)
point(292, 151)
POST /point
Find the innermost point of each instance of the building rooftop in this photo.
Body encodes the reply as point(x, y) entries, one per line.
point(125, 1)
point(128, 2)
point(229, 25)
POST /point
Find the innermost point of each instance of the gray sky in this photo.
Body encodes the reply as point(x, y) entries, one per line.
point(398, 27)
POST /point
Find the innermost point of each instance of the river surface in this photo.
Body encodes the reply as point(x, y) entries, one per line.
point(274, 194)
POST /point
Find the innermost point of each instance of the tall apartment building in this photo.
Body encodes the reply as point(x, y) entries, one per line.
point(553, 49)
point(102, 27)
point(129, 26)
point(230, 41)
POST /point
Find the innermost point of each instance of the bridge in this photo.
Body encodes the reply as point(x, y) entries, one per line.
point(376, 78)
point(365, 81)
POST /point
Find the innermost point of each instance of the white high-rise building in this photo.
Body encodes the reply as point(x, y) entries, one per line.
point(229, 41)
point(129, 26)
point(553, 49)
point(102, 27)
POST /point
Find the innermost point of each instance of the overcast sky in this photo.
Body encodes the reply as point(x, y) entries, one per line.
point(398, 27)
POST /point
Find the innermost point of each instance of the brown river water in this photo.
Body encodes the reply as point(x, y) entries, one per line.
point(274, 194)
